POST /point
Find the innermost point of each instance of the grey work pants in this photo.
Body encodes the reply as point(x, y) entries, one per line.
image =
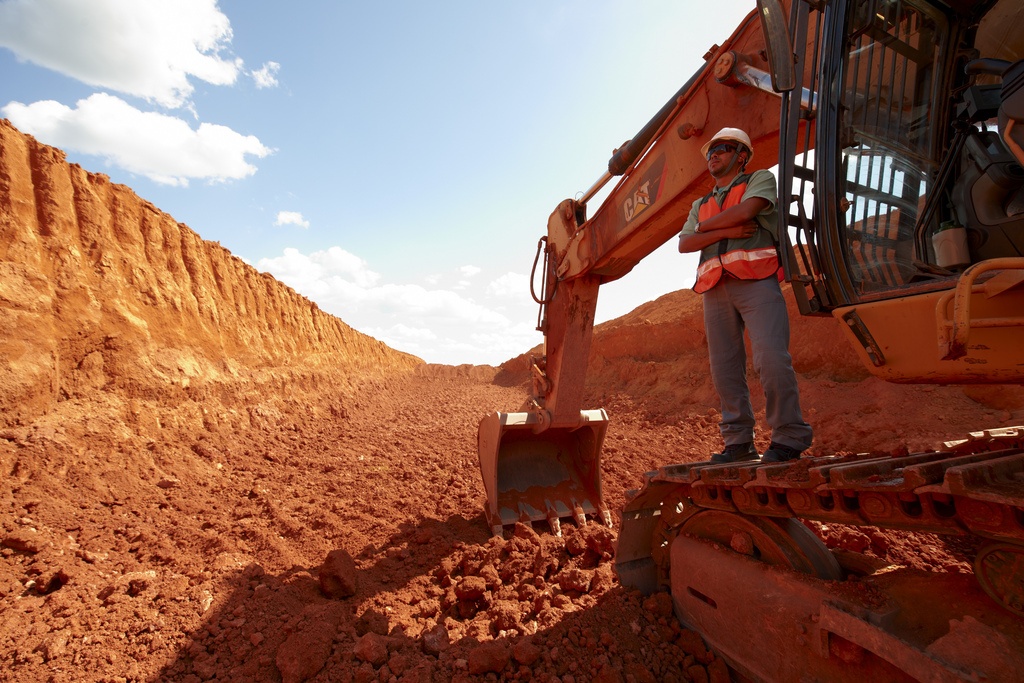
point(757, 306)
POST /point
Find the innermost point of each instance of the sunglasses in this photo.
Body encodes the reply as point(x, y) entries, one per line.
point(722, 148)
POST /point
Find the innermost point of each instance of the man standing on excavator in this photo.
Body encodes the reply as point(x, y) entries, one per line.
point(735, 229)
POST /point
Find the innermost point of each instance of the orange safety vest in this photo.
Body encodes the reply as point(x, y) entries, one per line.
point(753, 258)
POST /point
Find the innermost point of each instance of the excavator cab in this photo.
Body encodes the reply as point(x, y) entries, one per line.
point(904, 167)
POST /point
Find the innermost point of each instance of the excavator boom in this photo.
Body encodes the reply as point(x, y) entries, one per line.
point(543, 463)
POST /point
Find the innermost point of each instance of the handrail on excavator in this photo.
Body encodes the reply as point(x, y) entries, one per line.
point(953, 332)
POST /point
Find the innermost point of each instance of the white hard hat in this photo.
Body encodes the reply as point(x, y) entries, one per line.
point(733, 134)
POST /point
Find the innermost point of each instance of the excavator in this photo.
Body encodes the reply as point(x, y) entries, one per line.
point(896, 132)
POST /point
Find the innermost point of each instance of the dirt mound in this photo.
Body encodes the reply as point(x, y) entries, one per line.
point(654, 359)
point(101, 291)
point(204, 477)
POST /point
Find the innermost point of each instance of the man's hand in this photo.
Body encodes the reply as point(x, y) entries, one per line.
point(741, 231)
point(697, 241)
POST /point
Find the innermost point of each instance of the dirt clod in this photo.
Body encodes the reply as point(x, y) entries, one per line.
point(337, 575)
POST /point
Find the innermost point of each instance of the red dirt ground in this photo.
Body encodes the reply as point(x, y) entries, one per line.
point(184, 443)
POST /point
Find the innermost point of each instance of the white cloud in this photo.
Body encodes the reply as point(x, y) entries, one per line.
point(291, 218)
point(401, 331)
point(266, 75)
point(334, 266)
point(145, 48)
point(523, 337)
point(439, 325)
point(509, 285)
point(469, 271)
point(160, 147)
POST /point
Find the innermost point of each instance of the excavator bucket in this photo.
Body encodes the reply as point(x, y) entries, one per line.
point(532, 475)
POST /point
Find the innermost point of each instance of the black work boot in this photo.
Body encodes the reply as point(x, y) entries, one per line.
point(737, 452)
point(778, 453)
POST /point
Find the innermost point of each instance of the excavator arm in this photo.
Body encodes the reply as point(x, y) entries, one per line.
point(659, 183)
point(543, 462)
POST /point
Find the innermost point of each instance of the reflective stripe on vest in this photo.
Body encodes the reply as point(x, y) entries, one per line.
point(749, 259)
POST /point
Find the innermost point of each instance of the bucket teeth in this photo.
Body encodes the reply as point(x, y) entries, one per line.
point(606, 517)
point(556, 524)
point(579, 516)
point(534, 470)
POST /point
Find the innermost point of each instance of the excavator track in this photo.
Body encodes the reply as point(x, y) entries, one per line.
point(971, 487)
point(726, 541)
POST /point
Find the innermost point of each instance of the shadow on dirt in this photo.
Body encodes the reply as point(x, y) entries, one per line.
point(442, 601)
point(265, 616)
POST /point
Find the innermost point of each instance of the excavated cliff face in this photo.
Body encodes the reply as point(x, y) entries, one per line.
point(102, 291)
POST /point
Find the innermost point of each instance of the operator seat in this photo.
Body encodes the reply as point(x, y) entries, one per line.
point(989, 194)
point(1011, 110)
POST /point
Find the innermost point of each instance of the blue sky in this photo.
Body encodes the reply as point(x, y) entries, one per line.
point(394, 161)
